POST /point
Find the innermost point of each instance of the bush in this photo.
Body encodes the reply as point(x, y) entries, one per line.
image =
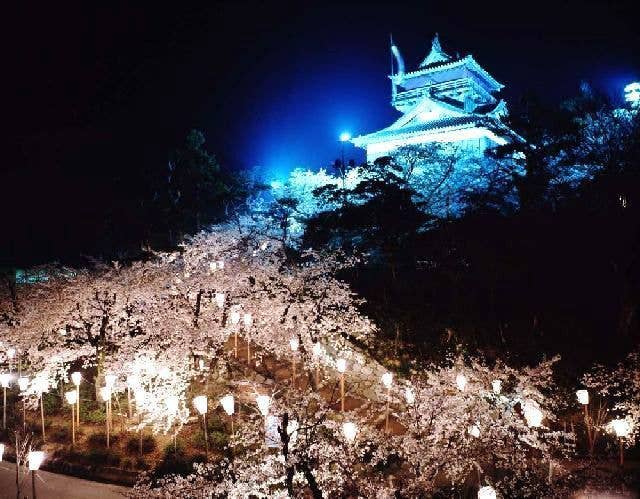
point(97, 416)
point(51, 403)
point(102, 457)
point(99, 440)
point(133, 444)
point(60, 434)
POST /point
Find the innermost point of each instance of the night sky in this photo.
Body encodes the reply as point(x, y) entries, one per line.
point(97, 90)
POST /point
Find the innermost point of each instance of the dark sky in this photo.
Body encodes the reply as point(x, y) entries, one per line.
point(95, 90)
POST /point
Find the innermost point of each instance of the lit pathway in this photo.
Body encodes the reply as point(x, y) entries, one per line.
point(54, 486)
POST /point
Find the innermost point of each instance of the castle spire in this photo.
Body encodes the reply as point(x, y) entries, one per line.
point(436, 54)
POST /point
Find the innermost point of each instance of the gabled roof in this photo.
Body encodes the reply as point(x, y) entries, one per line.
point(436, 55)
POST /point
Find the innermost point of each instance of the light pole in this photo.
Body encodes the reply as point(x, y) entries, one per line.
point(133, 382)
point(76, 377)
point(5, 379)
point(341, 366)
point(141, 396)
point(228, 403)
point(105, 394)
point(200, 403)
point(172, 402)
point(23, 383)
point(235, 319)
point(72, 399)
point(35, 460)
point(263, 402)
point(41, 385)
point(248, 320)
point(621, 428)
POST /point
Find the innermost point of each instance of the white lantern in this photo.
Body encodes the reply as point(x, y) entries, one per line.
point(496, 385)
point(247, 319)
point(350, 431)
point(40, 385)
point(133, 381)
point(71, 396)
point(172, 403)
point(235, 317)
point(487, 492)
point(110, 380)
point(201, 364)
point(105, 393)
point(474, 430)
point(228, 404)
point(5, 380)
point(213, 266)
point(461, 382)
point(23, 383)
point(293, 343)
point(220, 299)
point(583, 397)
point(317, 349)
point(263, 401)
point(221, 264)
point(1, 451)
point(11, 353)
point(76, 377)
point(200, 403)
point(532, 414)
point(341, 365)
point(621, 427)
point(35, 459)
point(263, 245)
point(387, 379)
point(409, 396)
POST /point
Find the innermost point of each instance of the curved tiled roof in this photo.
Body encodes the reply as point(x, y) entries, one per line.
point(448, 122)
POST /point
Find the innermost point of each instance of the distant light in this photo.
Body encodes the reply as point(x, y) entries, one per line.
point(71, 396)
point(293, 343)
point(200, 403)
point(461, 382)
point(263, 402)
point(532, 414)
point(341, 365)
point(487, 492)
point(409, 396)
point(35, 460)
point(76, 377)
point(228, 404)
point(350, 431)
point(23, 383)
point(345, 137)
point(496, 384)
point(621, 427)
point(474, 430)
point(172, 403)
point(1, 451)
point(387, 379)
point(583, 397)
point(632, 93)
point(5, 380)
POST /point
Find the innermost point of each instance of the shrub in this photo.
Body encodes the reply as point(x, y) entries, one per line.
point(60, 434)
point(133, 444)
point(99, 440)
point(96, 416)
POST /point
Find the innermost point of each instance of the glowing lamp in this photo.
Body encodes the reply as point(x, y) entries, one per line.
point(141, 396)
point(172, 403)
point(200, 403)
point(461, 382)
point(264, 245)
point(621, 427)
point(350, 430)
point(133, 381)
point(11, 353)
point(532, 414)
point(221, 264)
point(487, 492)
point(201, 364)
point(213, 266)
point(5, 380)
point(263, 401)
point(387, 379)
point(228, 404)
point(345, 137)
point(293, 343)
point(496, 385)
point(105, 393)
point(474, 430)
point(583, 397)
point(35, 459)
point(76, 377)
point(317, 349)
point(341, 365)
point(23, 383)
point(1, 451)
point(220, 299)
point(409, 396)
point(110, 380)
point(71, 396)
point(235, 317)
point(41, 385)
point(247, 319)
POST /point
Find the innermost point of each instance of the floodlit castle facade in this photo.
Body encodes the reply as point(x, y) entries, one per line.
point(447, 100)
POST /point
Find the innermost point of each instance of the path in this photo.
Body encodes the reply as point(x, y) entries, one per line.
point(54, 486)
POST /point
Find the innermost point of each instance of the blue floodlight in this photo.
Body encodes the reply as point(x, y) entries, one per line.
point(345, 137)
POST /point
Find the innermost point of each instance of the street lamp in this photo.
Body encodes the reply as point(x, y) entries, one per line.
point(228, 404)
point(247, 319)
point(133, 382)
point(1, 451)
point(387, 381)
point(5, 380)
point(200, 403)
point(294, 344)
point(409, 396)
point(350, 430)
point(76, 377)
point(496, 385)
point(220, 300)
point(263, 402)
point(173, 402)
point(105, 394)
point(35, 460)
point(461, 382)
point(11, 353)
point(235, 319)
point(40, 386)
point(622, 428)
point(532, 414)
point(72, 399)
point(341, 366)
